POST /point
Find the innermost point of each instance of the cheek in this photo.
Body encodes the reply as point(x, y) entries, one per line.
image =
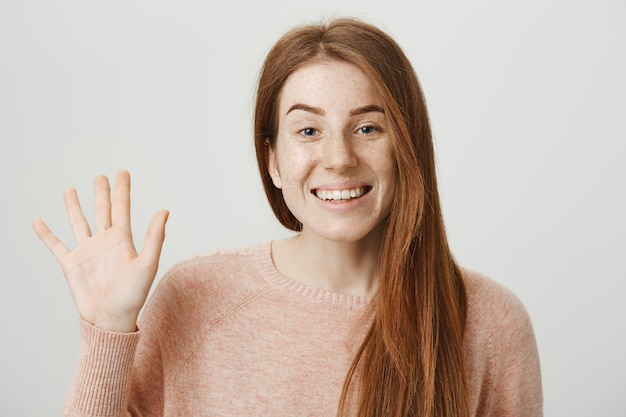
point(293, 163)
point(391, 185)
point(389, 173)
point(290, 172)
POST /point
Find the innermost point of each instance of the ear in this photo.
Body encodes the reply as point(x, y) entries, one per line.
point(272, 165)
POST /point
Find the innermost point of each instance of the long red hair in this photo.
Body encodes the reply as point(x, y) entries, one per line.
point(411, 361)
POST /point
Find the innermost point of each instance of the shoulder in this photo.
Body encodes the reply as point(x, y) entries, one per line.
point(210, 285)
point(489, 302)
point(500, 350)
point(495, 315)
point(224, 270)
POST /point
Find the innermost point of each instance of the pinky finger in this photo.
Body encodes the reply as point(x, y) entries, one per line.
point(58, 249)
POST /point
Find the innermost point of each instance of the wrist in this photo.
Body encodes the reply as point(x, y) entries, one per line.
point(114, 325)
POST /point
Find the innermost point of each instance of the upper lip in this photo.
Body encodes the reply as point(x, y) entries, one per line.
point(330, 186)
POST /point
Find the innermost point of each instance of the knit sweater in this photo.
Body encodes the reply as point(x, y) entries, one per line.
point(226, 334)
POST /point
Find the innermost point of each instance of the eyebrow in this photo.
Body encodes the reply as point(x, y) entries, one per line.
point(307, 108)
point(320, 112)
point(367, 109)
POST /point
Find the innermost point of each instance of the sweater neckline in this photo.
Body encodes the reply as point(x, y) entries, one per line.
point(275, 277)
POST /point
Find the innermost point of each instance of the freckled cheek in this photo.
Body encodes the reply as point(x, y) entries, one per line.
point(390, 185)
point(389, 174)
point(294, 169)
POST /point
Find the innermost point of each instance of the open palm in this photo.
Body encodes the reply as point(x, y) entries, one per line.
point(108, 279)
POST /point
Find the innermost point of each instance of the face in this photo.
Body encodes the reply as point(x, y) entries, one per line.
point(333, 157)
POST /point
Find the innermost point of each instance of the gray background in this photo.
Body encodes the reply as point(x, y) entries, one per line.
point(527, 100)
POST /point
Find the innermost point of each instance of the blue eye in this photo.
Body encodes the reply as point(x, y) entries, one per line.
point(366, 130)
point(308, 131)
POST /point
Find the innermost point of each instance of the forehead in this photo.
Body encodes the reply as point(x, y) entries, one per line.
point(328, 83)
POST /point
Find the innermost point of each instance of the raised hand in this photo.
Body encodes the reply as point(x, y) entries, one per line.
point(108, 279)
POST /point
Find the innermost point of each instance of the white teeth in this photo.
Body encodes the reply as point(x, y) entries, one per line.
point(339, 195)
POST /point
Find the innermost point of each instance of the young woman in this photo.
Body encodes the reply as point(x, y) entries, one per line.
point(363, 312)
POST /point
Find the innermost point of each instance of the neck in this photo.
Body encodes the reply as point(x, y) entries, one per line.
point(343, 267)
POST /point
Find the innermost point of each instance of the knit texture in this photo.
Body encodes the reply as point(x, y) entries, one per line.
point(226, 334)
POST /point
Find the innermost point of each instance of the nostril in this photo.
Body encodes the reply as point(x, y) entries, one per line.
point(340, 155)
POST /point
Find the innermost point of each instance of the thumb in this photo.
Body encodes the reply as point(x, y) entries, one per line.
point(153, 243)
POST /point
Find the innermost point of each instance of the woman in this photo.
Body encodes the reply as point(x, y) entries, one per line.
point(363, 312)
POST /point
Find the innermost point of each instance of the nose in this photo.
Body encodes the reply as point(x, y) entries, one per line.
point(339, 152)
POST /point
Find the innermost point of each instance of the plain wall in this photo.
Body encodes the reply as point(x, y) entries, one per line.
point(527, 101)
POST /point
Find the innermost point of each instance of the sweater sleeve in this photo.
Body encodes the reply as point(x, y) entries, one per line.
point(116, 376)
point(126, 374)
point(514, 389)
point(102, 379)
point(121, 374)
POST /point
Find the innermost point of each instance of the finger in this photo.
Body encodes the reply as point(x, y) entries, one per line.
point(102, 203)
point(78, 222)
point(120, 210)
point(155, 236)
point(58, 249)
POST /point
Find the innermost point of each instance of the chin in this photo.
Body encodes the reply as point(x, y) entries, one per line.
point(351, 234)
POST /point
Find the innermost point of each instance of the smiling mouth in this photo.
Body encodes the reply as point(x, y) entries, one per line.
point(341, 195)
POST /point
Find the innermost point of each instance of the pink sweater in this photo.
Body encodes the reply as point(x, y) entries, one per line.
point(227, 335)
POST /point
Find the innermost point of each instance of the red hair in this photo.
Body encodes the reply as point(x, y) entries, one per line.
point(411, 361)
